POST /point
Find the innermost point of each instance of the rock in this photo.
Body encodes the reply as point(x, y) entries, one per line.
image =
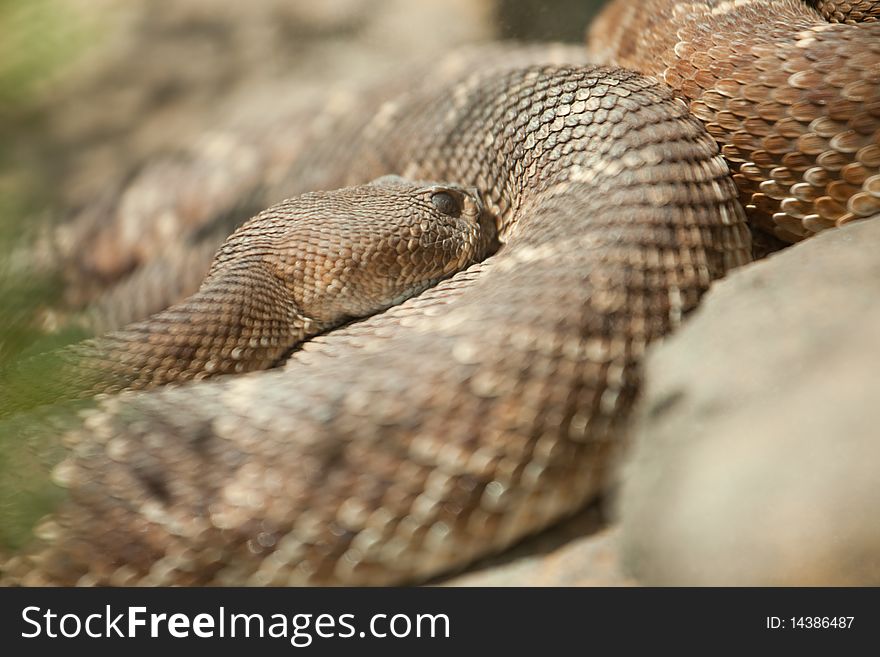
point(757, 442)
point(577, 552)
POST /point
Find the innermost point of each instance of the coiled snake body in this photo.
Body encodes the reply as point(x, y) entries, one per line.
point(485, 409)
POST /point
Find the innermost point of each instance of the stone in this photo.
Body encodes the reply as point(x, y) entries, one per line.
point(578, 552)
point(755, 449)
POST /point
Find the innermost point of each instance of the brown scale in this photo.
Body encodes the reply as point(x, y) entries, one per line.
point(849, 11)
point(792, 99)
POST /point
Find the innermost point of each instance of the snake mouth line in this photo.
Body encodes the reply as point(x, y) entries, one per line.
point(496, 248)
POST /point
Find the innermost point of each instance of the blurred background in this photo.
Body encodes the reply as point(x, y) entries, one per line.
point(92, 92)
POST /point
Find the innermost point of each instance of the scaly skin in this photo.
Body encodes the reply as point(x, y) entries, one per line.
point(793, 101)
point(289, 274)
point(486, 408)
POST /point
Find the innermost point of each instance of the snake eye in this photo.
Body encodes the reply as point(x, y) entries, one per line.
point(446, 203)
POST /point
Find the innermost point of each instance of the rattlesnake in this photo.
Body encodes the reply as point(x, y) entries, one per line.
point(489, 406)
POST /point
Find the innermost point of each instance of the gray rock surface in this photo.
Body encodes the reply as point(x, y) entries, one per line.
point(757, 446)
point(577, 552)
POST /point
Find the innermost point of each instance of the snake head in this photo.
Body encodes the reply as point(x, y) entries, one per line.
point(353, 252)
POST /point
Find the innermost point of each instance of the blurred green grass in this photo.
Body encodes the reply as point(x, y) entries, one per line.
point(38, 38)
